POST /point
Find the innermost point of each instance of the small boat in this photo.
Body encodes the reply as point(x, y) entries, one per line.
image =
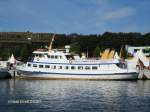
point(62, 64)
point(4, 70)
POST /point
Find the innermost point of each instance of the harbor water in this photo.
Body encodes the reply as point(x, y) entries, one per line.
point(74, 96)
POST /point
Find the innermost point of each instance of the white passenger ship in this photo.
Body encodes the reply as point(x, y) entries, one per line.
point(61, 64)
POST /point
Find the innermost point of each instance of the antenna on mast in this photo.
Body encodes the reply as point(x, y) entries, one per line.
point(51, 43)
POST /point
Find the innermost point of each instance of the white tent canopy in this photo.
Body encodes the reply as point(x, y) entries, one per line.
point(116, 56)
point(12, 59)
point(140, 55)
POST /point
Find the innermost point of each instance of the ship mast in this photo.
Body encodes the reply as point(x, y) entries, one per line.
point(51, 43)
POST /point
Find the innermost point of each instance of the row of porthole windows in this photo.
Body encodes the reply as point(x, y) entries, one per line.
point(65, 67)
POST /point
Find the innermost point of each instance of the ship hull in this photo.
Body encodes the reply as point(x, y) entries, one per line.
point(52, 75)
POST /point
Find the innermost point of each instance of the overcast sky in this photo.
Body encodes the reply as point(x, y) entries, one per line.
point(75, 16)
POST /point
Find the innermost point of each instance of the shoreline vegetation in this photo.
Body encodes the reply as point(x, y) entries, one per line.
point(21, 44)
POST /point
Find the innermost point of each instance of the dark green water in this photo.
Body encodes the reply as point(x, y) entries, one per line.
point(74, 96)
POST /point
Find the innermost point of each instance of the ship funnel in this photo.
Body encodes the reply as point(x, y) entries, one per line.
point(67, 47)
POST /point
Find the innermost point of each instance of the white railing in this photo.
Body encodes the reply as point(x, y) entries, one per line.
point(93, 61)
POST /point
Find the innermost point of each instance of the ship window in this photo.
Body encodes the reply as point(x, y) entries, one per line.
point(60, 57)
point(94, 67)
point(60, 67)
point(37, 55)
point(54, 67)
point(69, 57)
point(29, 65)
point(72, 67)
point(34, 65)
point(52, 56)
point(40, 66)
point(87, 68)
point(56, 57)
point(80, 67)
point(47, 66)
point(48, 56)
point(67, 67)
point(40, 55)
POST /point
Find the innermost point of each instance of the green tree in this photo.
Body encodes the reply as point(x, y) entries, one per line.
point(24, 53)
point(96, 51)
point(75, 47)
point(5, 54)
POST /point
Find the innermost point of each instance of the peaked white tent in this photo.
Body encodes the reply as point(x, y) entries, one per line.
point(12, 59)
point(140, 55)
point(116, 56)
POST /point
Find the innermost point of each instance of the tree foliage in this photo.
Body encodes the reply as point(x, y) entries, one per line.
point(19, 44)
point(96, 51)
point(75, 47)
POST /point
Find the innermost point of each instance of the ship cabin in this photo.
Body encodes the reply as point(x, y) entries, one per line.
point(54, 56)
point(59, 59)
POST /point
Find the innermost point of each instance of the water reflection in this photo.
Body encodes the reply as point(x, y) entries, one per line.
point(74, 95)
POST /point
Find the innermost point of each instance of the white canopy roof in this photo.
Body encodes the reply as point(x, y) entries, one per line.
point(140, 55)
point(116, 56)
point(12, 59)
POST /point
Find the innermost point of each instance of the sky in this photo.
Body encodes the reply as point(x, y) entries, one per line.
point(75, 16)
